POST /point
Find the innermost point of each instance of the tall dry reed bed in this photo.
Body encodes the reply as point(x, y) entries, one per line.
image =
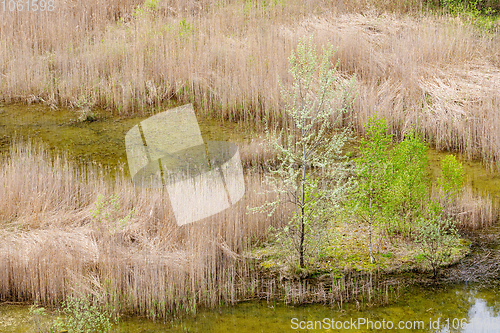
point(434, 73)
point(64, 231)
point(67, 230)
point(472, 211)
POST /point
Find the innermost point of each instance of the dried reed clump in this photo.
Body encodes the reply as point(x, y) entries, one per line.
point(472, 211)
point(256, 153)
point(431, 72)
point(55, 244)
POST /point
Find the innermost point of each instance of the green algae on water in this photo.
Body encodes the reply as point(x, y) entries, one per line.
point(101, 141)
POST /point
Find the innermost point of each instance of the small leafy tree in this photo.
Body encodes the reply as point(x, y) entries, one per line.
point(437, 232)
point(310, 169)
point(452, 177)
point(372, 179)
point(408, 179)
point(437, 236)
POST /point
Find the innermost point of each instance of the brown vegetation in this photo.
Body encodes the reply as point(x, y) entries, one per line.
point(433, 72)
point(473, 211)
point(55, 244)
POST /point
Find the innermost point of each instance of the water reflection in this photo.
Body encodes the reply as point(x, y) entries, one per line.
point(460, 308)
point(484, 315)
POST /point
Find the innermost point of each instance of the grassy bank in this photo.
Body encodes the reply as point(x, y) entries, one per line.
point(347, 240)
point(415, 66)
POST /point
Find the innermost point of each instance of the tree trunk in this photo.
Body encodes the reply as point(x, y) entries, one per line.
point(301, 247)
point(370, 238)
point(370, 222)
point(302, 207)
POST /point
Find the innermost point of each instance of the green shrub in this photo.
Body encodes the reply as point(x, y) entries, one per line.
point(408, 181)
point(476, 7)
point(437, 237)
point(81, 316)
point(107, 215)
point(452, 176)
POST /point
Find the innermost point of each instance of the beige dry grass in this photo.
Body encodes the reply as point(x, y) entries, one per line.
point(472, 211)
point(51, 246)
point(432, 72)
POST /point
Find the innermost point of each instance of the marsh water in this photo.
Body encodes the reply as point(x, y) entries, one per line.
point(457, 307)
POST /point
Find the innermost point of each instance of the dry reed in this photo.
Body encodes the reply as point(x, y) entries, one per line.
point(431, 72)
point(54, 244)
point(471, 210)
